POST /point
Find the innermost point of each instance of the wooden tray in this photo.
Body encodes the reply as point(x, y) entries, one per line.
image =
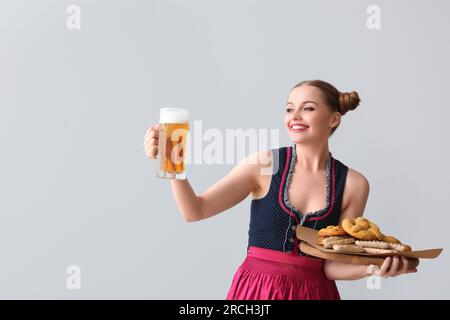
point(350, 258)
point(309, 246)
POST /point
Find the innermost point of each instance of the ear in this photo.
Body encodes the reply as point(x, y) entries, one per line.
point(335, 119)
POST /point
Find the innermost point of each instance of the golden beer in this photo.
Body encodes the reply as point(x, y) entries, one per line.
point(173, 131)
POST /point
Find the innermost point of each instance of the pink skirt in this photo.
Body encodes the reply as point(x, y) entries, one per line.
point(274, 275)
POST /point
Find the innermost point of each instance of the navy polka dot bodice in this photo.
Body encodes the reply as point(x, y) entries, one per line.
point(273, 219)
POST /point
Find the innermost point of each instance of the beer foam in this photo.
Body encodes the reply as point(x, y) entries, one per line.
point(173, 115)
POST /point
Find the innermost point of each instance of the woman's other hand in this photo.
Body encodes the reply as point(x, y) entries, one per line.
point(151, 140)
point(391, 267)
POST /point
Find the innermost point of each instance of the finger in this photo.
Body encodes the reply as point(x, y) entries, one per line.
point(151, 142)
point(401, 269)
point(154, 134)
point(404, 265)
point(393, 269)
point(412, 270)
point(154, 141)
point(149, 152)
point(148, 145)
point(153, 153)
point(149, 130)
point(384, 267)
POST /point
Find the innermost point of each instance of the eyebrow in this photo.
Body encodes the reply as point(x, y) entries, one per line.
point(304, 102)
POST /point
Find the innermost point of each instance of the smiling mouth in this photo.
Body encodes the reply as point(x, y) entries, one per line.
point(298, 128)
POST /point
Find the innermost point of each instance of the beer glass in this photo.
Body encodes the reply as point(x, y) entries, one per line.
point(173, 131)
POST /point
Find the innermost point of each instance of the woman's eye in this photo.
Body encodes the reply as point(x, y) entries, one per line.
point(307, 108)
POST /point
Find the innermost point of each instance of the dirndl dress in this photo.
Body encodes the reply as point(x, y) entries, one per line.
point(274, 267)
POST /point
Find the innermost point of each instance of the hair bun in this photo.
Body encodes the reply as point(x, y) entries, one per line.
point(348, 101)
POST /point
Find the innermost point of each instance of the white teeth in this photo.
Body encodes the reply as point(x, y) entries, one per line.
point(298, 127)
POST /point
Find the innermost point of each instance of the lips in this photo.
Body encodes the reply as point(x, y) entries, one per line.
point(298, 127)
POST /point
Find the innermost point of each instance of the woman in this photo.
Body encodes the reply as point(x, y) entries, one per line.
point(308, 187)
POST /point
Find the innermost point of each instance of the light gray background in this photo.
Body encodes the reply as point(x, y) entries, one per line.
point(76, 187)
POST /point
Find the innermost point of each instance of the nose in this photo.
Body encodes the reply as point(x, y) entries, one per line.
point(297, 114)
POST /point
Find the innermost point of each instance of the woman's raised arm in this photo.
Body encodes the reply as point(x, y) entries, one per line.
point(224, 194)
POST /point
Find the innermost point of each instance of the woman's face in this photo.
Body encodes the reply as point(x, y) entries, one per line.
point(306, 107)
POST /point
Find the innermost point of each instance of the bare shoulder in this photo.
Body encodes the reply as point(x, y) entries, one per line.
point(257, 163)
point(356, 180)
point(356, 192)
point(261, 156)
point(259, 166)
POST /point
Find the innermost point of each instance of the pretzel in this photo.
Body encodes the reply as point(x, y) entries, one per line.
point(330, 244)
point(378, 251)
point(348, 248)
point(361, 229)
point(373, 244)
point(320, 240)
point(328, 240)
point(389, 239)
point(331, 231)
point(400, 247)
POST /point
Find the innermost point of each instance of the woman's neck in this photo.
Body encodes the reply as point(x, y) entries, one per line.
point(312, 157)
